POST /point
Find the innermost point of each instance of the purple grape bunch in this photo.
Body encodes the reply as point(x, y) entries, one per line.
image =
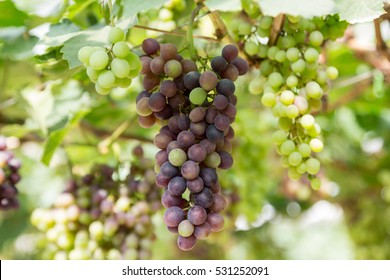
point(9, 177)
point(196, 105)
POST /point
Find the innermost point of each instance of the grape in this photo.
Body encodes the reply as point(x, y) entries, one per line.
point(292, 54)
point(307, 121)
point(221, 122)
point(196, 185)
point(219, 64)
point(316, 145)
point(185, 228)
point(185, 139)
point(197, 114)
point(168, 51)
point(202, 231)
point(106, 79)
point(298, 66)
point(313, 166)
point(190, 170)
point(208, 80)
point(287, 97)
point(219, 203)
point(143, 108)
point(287, 147)
point(197, 215)
point(311, 55)
point(150, 46)
point(115, 35)
point(292, 111)
point(177, 157)
point(186, 243)
point(121, 50)
point(314, 90)
point(197, 153)
point(157, 102)
point(204, 198)
point(304, 149)
point(229, 52)
point(157, 66)
point(295, 158)
point(316, 38)
point(220, 102)
point(191, 80)
point(241, 65)
point(176, 186)
point(198, 96)
point(84, 54)
point(226, 160)
point(173, 216)
point(332, 72)
point(168, 88)
point(231, 72)
point(188, 65)
point(120, 67)
point(275, 79)
point(315, 183)
point(250, 48)
point(173, 68)
point(215, 221)
point(213, 160)
point(98, 60)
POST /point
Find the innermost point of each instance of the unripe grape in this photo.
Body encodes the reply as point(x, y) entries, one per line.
point(313, 166)
point(106, 79)
point(307, 121)
point(279, 137)
point(275, 80)
point(251, 48)
point(292, 54)
point(316, 38)
point(268, 99)
point(298, 66)
point(311, 55)
point(116, 34)
point(287, 147)
point(304, 149)
point(315, 183)
point(295, 158)
point(198, 96)
point(121, 49)
point(332, 72)
point(120, 67)
point(292, 111)
point(316, 145)
point(98, 60)
point(292, 81)
point(313, 90)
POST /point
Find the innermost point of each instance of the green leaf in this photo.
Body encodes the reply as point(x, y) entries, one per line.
point(56, 137)
point(225, 6)
point(20, 48)
point(304, 8)
point(355, 11)
point(10, 15)
point(132, 8)
point(91, 38)
point(77, 7)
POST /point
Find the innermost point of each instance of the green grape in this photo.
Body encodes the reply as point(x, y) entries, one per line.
point(177, 157)
point(279, 137)
point(251, 48)
point(93, 74)
point(115, 35)
point(285, 123)
point(298, 66)
point(284, 162)
point(292, 111)
point(287, 97)
point(332, 72)
point(84, 54)
point(293, 174)
point(106, 79)
point(316, 145)
point(100, 90)
point(313, 90)
point(98, 60)
point(292, 81)
point(301, 104)
point(266, 67)
point(264, 33)
point(287, 147)
point(314, 131)
point(120, 67)
point(287, 42)
point(315, 183)
point(292, 54)
point(256, 85)
point(265, 22)
point(268, 99)
point(313, 166)
point(301, 169)
point(316, 38)
point(280, 56)
point(272, 52)
point(134, 61)
point(307, 121)
point(244, 28)
point(293, 19)
point(311, 55)
point(198, 96)
point(185, 228)
point(295, 158)
point(263, 51)
point(275, 79)
point(322, 77)
point(123, 83)
point(213, 160)
point(304, 149)
point(121, 49)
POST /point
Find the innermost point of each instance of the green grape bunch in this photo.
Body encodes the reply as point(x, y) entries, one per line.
point(97, 217)
point(110, 67)
point(293, 82)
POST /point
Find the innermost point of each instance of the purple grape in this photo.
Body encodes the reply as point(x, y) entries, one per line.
point(196, 185)
point(197, 215)
point(173, 216)
point(204, 198)
point(177, 186)
point(190, 170)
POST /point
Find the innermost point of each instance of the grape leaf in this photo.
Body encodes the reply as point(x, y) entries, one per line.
point(132, 8)
point(56, 137)
point(304, 8)
point(41, 8)
point(10, 16)
point(225, 6)
point(355, 11)
point(19, 48)
point(92, 37)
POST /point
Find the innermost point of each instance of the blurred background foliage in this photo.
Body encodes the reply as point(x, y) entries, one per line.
point(269, 217)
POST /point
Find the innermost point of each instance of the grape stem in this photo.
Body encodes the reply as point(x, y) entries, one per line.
point(277, 26)
point(190, 31)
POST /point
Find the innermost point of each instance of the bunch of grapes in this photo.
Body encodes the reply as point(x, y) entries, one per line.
point(97, 217)
point(111, 67)
point(9, 177)
point(293, 82)
point(198, 106)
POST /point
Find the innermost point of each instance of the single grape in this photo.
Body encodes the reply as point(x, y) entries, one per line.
point(198, 96)
point(121, 49)
point(115, 35)
point(120, 67)
point(313, 166)
point(185, 228)
point(98, 60)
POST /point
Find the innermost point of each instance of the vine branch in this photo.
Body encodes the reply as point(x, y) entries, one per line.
point(277, 26)
point(190, 31)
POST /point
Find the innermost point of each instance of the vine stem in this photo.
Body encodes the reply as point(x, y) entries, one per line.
point(109, 2)
point(190, 31)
